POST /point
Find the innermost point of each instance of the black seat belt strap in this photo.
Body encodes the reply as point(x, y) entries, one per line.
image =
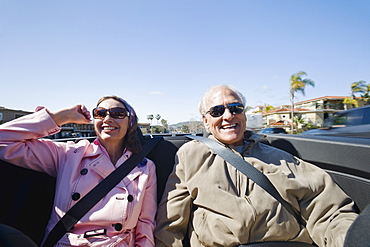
point(248, 170)
point(74, 214)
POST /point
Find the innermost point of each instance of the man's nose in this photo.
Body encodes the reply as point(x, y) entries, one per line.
point(227, 114)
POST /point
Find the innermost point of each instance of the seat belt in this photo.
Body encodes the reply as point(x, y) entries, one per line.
point(248, 170)
point(74, 214)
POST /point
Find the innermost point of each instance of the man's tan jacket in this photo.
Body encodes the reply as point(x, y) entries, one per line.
point(214, 204)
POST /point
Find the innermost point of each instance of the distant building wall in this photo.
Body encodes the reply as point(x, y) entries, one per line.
point(145, 128)
point(7, 115)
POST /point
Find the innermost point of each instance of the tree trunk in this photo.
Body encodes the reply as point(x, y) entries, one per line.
point(292, 113)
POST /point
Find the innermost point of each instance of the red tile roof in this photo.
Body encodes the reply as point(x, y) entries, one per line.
point(324, 97)
point(281, 122)
point(287, 110)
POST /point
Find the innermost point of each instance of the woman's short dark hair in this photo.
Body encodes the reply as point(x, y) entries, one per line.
point(131, 140)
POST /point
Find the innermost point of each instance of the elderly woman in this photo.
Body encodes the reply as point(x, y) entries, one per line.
point(125, 216)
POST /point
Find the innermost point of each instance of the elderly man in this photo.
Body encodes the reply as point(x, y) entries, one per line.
point(211, 203)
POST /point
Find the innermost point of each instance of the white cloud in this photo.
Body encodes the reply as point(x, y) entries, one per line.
point(265, 88)
point(155, 93)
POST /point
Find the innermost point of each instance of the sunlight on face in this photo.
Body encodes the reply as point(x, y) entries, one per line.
point(111, 130)
point(228, 128)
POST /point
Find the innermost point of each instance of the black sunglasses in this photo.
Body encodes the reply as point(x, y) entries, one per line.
point(218, 110)
point(115, 112)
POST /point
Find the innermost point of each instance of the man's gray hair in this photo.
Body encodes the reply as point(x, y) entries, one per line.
point(203, 103)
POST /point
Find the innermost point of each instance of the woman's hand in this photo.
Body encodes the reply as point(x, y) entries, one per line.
point(76, 114)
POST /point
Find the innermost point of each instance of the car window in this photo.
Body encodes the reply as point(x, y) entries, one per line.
point(340, 119)
point(366, 117)
point(355, 117)
point(279, 131)
point(352, 118)
point(349, 118)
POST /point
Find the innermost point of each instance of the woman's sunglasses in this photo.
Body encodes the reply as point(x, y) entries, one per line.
point(115, 112)
point(218, 110)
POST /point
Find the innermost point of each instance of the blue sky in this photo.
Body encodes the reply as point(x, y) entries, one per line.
point(162, 55)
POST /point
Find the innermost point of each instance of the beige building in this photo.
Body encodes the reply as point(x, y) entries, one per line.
point(10, 114)
point(313, 111)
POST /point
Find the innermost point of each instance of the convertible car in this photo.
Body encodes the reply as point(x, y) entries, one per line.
point(27, 196)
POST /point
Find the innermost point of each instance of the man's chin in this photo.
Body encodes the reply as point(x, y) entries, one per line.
point(230, 138)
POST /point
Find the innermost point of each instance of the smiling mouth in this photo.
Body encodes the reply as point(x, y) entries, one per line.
point(109, 128)
point(229, 126)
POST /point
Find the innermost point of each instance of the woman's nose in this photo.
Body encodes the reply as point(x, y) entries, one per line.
point(107, 117)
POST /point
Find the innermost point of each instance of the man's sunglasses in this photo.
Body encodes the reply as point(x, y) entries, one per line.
point(218, 110)
point(115, 112)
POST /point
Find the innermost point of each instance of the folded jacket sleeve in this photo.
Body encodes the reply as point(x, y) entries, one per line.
point(20, 143)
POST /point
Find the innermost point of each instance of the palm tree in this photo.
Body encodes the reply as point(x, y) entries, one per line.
point(298, 120)
point(357, 87)
point(350, 101)
point(297, 84)
point(164, 124)
point(366, 96)
point(157, 117)
point(150, 117)
point(267, 108)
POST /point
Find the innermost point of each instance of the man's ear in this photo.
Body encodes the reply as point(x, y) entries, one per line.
point(205, 121)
